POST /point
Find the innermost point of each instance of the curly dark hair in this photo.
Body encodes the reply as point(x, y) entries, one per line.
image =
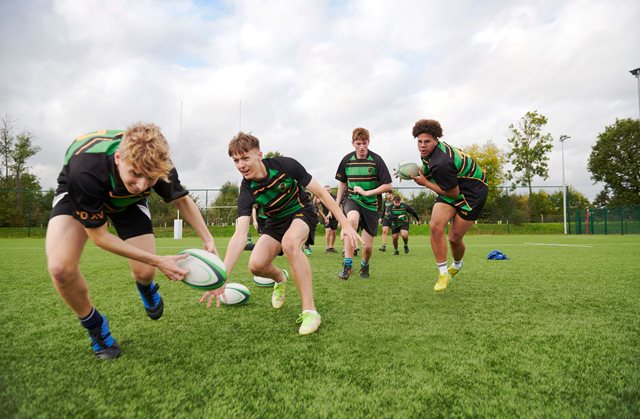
point(427, 126)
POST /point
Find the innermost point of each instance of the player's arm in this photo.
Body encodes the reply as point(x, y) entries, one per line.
point(254, 217)
point(373, 192)
point(237, 243)
point(327, 200)
point(192, 215)
point(342, 186)
point(412, 212)
point(420, 179)
point(114, 244)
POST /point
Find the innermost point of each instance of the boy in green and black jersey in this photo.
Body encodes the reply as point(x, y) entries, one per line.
point(278, 186)
point(108, 175)
point(363, 177)
point(398, 215)
point(386, 223)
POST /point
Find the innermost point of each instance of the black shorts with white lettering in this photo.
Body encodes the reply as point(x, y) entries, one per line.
point(277, 227)
point(133, 221)
point(368, 219)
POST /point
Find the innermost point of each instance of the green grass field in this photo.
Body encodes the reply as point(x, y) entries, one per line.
point(553, 332)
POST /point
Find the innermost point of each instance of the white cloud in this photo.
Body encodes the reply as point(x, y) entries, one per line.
point(307, 73)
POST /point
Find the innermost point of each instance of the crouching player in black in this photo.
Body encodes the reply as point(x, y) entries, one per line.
point(277, 186)
point(108, 175)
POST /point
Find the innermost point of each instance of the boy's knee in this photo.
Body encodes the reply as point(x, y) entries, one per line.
point(256, 268)
point(436, 228)
point(144, 275)
point(455, 239)
point(61, 272)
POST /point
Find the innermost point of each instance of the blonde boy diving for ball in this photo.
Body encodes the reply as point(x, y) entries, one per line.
point(277, 185)
point(108, 175)
point(462, 190)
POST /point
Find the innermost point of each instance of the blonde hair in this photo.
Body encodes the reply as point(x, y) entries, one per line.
point(144, 148)
point(242, 143)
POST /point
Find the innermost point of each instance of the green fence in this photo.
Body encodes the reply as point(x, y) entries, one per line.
point(618, 220)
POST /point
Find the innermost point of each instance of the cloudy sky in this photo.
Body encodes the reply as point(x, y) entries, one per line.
point(301, 74)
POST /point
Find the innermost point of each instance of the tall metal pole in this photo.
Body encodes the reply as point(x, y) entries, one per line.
point(179, 142)
point(636, 73)
point(564, 187)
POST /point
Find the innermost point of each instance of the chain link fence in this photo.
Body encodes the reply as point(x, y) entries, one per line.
point(25, 213)
point(618, 220)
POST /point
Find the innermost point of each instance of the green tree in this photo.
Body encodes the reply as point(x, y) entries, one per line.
point(530, 149)
point(271, 154)
point(575, 200)
point(540, 206)
point(511, 208)
point(423, 204)
point(20, 189)
point(492, 160)
point(23, 150)
point(224, 210)
point(6, 144)
point(614, 161)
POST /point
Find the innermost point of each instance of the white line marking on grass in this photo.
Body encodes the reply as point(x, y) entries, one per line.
point(556, 244)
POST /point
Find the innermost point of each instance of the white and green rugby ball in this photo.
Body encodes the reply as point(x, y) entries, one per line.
point(206, 270)
point(235, 294)
point(407, 171)
point(263, 282)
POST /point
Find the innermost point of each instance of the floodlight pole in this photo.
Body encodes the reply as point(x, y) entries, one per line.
point(636, 73)
point(564, 188)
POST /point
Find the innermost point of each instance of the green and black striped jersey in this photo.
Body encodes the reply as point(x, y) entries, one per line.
point(449, 167)
point(399, 214)
point(280, 194)
point(368, 173)
point(91, 180)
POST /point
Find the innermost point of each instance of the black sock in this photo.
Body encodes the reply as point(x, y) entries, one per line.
point(143, 287)
point(93, 320)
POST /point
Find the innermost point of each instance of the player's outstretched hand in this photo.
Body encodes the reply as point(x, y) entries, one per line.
point(170, 268)
point(211, 296)
point(210, 246)
point(349, 233)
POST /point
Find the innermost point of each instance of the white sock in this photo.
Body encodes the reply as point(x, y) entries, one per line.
point(442, 267)
point(457, 264)
point(309, 311)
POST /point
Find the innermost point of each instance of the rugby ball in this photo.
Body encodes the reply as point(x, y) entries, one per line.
point(263, 282)
point(235, 294)
point(407, 171)
point(206, 270)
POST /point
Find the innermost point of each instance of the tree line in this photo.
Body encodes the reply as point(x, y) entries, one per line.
point(613, 161)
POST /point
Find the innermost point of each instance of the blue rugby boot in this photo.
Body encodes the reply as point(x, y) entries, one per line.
point(102, 343)
point(150, 296)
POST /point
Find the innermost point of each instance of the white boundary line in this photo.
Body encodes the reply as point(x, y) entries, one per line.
point(556, 244)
